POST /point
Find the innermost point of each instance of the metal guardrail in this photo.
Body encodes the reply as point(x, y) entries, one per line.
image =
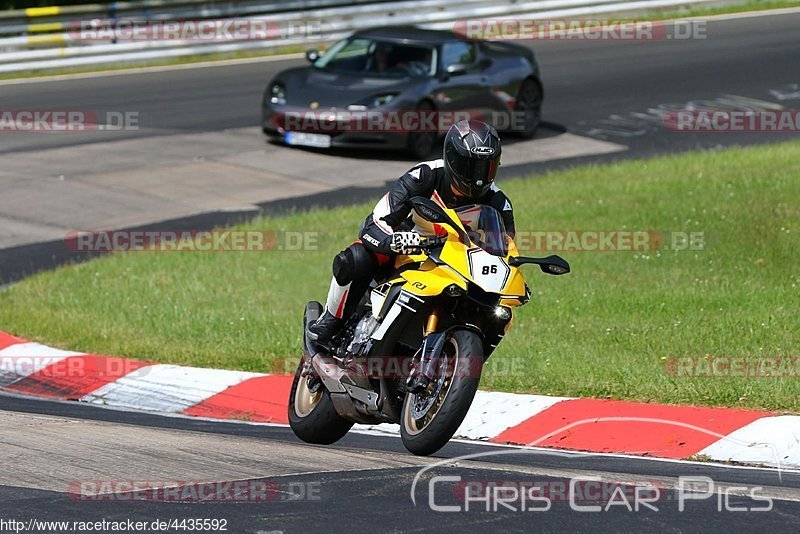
point(335, 18)
point(55, 19)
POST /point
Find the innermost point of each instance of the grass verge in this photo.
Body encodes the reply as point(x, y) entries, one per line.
point(601, 331)
point(691, 11)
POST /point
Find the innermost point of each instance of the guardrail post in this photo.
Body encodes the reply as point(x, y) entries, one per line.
point(112, 20)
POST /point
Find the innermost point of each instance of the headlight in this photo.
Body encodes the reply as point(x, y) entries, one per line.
point(381, 100)
point(277, 94)
point(454, 290)
point(503, 313)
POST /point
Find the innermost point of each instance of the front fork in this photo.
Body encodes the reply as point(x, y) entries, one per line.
point(424, 372)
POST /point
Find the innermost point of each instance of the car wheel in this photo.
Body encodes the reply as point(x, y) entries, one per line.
point(529, 102)
point(421, 144)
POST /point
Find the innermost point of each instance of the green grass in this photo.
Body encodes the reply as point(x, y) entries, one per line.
point(600, 331)
point(691, 11)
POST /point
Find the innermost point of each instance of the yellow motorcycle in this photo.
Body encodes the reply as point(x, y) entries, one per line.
point(413, 351)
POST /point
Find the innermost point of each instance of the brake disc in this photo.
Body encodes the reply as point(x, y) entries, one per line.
point(421, 403)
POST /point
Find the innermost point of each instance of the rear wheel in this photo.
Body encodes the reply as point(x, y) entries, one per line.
point(421, 144)
point(529, 102)
point(429, 419)
point(311, 413)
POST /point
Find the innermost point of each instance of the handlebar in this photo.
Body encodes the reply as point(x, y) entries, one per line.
point(431, 242)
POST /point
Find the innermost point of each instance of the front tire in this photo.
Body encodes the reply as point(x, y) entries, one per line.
point(463, 357)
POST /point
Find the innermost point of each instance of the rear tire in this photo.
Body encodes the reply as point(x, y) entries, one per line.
point(312, 416)
point(529, 101)
point(464, 350)
point(421, 144)
point(319, 422)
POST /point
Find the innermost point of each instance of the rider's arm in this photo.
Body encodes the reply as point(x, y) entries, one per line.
point(394, 208)
point(501, 203)
point(508, 222)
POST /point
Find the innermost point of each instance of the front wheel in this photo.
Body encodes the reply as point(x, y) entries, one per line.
point(429, 419)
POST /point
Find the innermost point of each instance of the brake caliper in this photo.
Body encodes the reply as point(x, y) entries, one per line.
point(425, 371)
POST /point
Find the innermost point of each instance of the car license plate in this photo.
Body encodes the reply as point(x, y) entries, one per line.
point(308, 139)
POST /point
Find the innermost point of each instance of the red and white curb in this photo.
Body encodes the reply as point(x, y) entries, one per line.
point(594, 425)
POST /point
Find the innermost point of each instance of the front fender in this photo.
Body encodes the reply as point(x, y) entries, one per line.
point(433, 345)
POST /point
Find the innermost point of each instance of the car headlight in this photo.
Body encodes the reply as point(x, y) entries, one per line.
point(277, 94)
point(381, 100)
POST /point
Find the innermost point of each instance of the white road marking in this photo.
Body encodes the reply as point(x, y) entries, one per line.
point(23, 359)
point(493, 412)
point(166, 388)
point(769, 440)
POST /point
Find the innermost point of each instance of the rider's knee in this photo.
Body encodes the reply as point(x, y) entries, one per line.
point(353, 263)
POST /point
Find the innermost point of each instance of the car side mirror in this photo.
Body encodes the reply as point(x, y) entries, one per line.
point(458, 69)
point(312, 55)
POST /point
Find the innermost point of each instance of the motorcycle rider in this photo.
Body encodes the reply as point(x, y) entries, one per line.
point(465, 175)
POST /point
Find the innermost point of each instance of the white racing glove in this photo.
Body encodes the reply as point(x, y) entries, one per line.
point(406, 243)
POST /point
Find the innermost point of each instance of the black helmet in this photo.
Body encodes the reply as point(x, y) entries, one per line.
point(471, 157)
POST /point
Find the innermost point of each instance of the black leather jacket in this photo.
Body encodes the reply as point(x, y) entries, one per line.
point(427, 179)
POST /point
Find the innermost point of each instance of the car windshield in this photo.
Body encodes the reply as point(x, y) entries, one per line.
point(378, 59)
point(485, 228)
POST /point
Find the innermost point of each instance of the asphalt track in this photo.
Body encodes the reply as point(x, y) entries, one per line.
point(596, 89)
point(345, 498)
point(585, 83)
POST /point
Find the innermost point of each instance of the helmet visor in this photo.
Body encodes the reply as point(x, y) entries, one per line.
point(474, 177)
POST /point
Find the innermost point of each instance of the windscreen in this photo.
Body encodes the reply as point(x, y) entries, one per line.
point(379, 59)
point(485, 228)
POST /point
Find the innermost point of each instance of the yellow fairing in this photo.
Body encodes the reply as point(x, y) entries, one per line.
point(512, 248)
point(516, 282)
point(515, 286)
point(431, 279)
